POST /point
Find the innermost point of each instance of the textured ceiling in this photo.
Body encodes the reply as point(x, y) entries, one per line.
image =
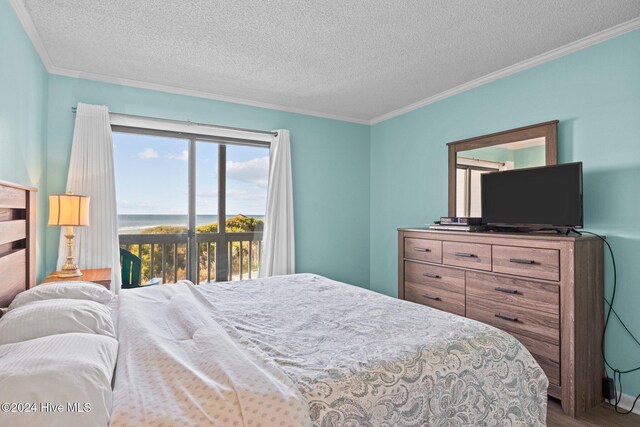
point(354, 59)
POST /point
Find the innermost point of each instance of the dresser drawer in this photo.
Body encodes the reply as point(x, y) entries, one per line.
point(514, 292)
point(530, 262)
point(547, 355)
point(539, 348)
point(436, 297)
point(447, 279)
point(550, 368)
point(527, 321)
point(470, 255)
point(423, 249)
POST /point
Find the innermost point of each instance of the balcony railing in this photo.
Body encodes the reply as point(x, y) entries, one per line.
point(167, 256)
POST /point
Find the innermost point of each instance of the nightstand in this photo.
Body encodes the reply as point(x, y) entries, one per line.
point(100, 276)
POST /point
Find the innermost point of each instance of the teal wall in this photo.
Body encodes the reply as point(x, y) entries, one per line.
point(595, 93)
point(23, 94)
point(529, 157)
point(330, 162)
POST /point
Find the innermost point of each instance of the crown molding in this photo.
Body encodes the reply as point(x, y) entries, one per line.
point(30, 29)
point(25, 19)
point(65, 72)
point(196, 93)
point(567, 49)
point(27, 24)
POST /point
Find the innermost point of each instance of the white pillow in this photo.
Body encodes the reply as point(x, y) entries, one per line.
point(65, 370)
point(66, 290)
point(55, 316)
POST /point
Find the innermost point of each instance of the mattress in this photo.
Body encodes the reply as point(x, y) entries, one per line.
point(358, 358)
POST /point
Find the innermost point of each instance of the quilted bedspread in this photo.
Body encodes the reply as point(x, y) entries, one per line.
point(360, 358)
point(180, 363)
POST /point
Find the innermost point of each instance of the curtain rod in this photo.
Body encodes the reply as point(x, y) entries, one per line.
point(73, 110)
point(480, 160)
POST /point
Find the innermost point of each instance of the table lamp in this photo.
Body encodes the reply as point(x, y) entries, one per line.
point(69, 210)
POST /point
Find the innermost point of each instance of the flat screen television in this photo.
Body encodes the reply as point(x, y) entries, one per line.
point(541, 197)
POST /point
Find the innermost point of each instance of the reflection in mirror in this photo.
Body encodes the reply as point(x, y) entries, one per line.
point(528, 146)
point(471, 164)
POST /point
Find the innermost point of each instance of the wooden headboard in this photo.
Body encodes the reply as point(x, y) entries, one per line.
point(17, 240)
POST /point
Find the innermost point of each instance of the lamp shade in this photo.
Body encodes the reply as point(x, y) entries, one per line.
point(69, 210)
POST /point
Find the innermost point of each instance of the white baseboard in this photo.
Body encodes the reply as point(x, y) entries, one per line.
point(626, 402)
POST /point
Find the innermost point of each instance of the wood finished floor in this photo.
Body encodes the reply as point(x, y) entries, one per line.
point(603, 415)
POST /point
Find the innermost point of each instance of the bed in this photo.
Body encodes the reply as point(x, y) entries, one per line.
point(17, 240)
point(305, 350)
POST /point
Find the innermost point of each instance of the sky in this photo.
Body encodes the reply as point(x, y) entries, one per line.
point(152, 176)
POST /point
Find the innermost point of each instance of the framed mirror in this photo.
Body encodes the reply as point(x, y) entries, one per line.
point(523, 147)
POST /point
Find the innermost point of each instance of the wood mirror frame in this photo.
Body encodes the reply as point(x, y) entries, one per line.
point(547, 130)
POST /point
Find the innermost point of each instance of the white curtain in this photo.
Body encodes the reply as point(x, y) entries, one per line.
point(91, 174)
point(278, 246)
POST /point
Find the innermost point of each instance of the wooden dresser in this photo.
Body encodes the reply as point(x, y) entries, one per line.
point(545, 290)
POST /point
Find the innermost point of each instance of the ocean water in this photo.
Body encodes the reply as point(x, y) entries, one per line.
point(131, 224)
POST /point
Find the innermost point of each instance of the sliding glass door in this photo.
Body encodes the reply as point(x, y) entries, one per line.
point(247, 173)
point(190, 207)
point(152, 178)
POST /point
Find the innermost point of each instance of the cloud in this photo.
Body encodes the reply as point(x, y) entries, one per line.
point(253, 171)
point(246, 195)
point(184, 156)
point(245, 201)
point(148, 154)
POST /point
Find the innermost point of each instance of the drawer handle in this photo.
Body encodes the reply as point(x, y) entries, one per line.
point(522, 261)
point(466, 255)
point(419, 249)
point(432, 298)
point(505, 317)
point(433, 276)
point(507, 291)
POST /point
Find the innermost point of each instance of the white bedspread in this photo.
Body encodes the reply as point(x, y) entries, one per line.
point(363, 359)
point(181, 363)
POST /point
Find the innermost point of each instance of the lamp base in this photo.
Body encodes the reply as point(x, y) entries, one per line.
point(69, 273)
point(70, 268)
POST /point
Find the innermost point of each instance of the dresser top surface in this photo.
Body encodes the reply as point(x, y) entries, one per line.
point(513, 235)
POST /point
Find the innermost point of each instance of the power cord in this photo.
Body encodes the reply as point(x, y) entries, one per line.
point(616, 372)
point(615, 313)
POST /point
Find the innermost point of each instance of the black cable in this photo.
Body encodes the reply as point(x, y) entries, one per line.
point(615, 313)
point(616, 372)
point(613, 296)
point(611, 309)
point(619, 397)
